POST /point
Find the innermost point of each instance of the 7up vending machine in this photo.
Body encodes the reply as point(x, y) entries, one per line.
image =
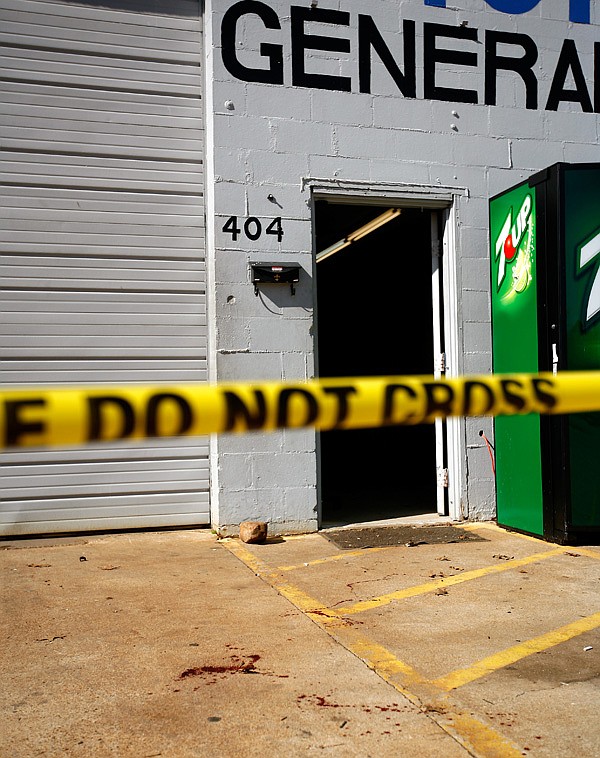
point(545, 280)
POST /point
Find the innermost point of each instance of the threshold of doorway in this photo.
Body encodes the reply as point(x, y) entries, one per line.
point(422, 519)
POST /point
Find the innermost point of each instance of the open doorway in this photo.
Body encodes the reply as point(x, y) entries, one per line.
point(375, 318)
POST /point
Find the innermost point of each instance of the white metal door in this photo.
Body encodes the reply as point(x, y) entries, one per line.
point(439, 362)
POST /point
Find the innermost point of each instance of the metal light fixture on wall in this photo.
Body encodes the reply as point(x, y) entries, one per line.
point(376, 223)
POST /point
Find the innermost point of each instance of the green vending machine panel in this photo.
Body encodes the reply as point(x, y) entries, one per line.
point(545, 280)
point(581, 326)
point(515, 349)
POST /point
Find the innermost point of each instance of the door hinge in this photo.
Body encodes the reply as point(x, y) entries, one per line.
point(442, 477)
point(440, 363)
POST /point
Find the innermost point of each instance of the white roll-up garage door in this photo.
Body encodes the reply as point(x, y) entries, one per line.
point(102, 247)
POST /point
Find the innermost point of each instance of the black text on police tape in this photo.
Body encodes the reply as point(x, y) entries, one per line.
point(162, 414)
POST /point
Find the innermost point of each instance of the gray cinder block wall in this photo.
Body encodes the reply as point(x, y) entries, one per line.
point(474, 125)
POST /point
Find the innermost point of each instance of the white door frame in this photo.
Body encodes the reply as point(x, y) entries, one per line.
point(455, 427)
point(446, 200)
point(439, 362)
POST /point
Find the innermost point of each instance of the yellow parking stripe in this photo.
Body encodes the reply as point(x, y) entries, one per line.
point(476, 737)
point(513, 654)
point(304, 602)
point(447, 581)
point(350, 554)
point(400, 675)
point(585, 551)
point(324, 617)
point(474, 526)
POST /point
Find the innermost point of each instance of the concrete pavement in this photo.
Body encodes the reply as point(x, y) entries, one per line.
point(177, 644)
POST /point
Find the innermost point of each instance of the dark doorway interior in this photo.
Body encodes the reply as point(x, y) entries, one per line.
point(374, 318)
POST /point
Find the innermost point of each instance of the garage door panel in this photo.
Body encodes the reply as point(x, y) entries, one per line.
point(34, 95)
point(113, 113)
point(177, 14)
point(116, 330)
point(93, 79)
point(54, 67)
point(93, 230)
point(135, 280)
point(88, 231)
point(136, 511)
point(109, 42)
point(76, 320)
point(18, 373)
point(102, 229)
point(101, 180)
point(62, 27)
point(152, 450)
point(91, 470)
point(35, 248)
point(136, 274)
point(96, 242)
point(152, 484)
point(81, 349)
point(82, 199)
point(62, 345)
point(25, 303)
point(132, 128)
point(52, 513)
point(70, 486)
point(94, 523)
point(35, 137)
point(101, 173)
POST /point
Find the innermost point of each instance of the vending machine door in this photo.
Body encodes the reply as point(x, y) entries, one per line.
point(580, 212)
point(514, 298)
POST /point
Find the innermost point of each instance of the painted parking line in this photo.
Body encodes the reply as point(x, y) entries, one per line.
point(477, 737)
point(516, 653)
point(447, 581)
point(474, 526)
point(312, 608)
point(338, 557)
point(590, 553)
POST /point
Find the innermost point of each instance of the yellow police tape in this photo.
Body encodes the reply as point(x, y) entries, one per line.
point(39, 417)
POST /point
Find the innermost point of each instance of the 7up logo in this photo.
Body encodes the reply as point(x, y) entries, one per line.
point(587, 253)
point(510, 247)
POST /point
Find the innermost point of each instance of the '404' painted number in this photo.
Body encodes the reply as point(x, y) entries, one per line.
point(253, 228)
point(587, 253)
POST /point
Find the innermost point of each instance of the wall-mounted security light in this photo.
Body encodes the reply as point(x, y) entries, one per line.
point(275, 273)
point(359, 233)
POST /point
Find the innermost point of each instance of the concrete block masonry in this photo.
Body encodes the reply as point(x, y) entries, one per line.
point(342, 108)
point(476, 306)
point(383, 119)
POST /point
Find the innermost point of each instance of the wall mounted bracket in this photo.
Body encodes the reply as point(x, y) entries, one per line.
point(274, 273)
